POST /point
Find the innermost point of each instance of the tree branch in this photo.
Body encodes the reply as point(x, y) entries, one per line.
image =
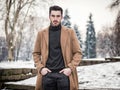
point(115, 3)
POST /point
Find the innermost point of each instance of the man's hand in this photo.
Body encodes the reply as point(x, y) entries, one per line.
point(66, 71)
point(44, 71)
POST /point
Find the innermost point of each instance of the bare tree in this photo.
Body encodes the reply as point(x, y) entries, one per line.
point(115, 4)
point(32, 23)
point(109, 39)
point(116, 32)
point(14, 14)
point(105, 42)
point(13, 9)
point(117, 35)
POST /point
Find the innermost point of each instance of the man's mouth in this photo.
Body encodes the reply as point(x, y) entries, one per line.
point(55, 21)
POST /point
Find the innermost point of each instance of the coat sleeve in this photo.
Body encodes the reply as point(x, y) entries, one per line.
point(76, 52)
point(37, 52)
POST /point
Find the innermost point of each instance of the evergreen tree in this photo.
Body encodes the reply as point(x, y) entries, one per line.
point(90, 50)
point(78, 34)
point(66, 22)
point(79, 38)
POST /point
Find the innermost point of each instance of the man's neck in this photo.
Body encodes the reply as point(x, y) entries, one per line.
point(55, 27)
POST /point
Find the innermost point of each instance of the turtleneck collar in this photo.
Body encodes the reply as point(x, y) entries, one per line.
point(55, 28)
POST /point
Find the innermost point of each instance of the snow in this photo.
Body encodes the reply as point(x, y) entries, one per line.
point(105, 75)
point(118, 57)
point(31, 82)
point(17, 64)
point(94, 59)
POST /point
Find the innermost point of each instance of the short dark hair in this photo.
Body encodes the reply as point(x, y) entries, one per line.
point(55, 8)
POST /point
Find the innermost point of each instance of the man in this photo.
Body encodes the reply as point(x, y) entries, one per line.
point(56, 55)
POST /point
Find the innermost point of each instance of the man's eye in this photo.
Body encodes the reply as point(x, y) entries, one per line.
point(58, 15)
point(53, 15)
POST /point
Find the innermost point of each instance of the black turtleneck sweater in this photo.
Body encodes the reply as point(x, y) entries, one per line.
point(55, 60)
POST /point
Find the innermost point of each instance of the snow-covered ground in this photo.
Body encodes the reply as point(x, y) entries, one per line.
point(17, 64)
point(106, 75)
point(94, 59)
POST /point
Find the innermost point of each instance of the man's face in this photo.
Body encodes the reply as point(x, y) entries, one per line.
point(55, 17)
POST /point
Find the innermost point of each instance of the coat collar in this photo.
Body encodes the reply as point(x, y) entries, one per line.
point(62, 40)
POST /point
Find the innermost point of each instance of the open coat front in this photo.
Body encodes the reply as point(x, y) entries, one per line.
point(70, 50)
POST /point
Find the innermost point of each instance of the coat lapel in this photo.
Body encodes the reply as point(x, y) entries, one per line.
point(46, 39)
point(64, 36)
point(46, 36)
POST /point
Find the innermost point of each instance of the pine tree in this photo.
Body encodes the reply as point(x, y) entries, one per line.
point(78, 34)
point(79, 38)
point(90, 50)
point(66, 22)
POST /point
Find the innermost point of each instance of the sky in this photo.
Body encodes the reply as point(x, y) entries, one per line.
point(79, 11)
point(105, 75)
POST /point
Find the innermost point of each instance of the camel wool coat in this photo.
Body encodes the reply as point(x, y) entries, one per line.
point(70, 50)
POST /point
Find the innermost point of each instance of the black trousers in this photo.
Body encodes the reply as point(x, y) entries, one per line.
point(55, 81)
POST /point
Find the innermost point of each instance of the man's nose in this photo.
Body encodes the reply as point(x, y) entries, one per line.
point(55, 17)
